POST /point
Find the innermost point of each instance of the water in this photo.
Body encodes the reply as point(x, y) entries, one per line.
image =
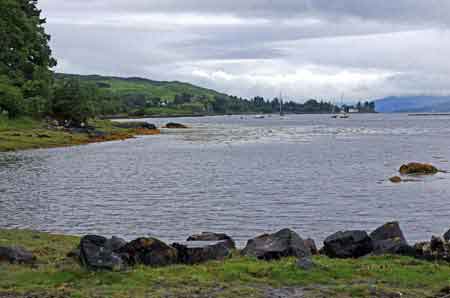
point(248, 176)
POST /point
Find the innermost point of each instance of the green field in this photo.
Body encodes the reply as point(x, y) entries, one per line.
point(55, 275)
point(164, 90)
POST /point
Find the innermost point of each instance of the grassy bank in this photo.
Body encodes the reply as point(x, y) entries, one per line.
point(26, 133)
point(57, 276)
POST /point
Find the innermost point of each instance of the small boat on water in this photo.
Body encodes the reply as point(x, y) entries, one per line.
point(341, 116)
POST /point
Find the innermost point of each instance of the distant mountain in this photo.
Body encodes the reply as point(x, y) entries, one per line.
point(415, 104)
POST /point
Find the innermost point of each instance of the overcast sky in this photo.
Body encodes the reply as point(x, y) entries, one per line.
point(303, 48)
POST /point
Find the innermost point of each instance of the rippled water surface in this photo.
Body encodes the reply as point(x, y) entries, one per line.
point(239, 175)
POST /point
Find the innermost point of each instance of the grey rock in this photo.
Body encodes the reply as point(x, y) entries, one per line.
point(447, 236)
point(389, 239)
point(208, 236)
point(305, 263)
point(285, 243)
point(194, 252)
point(135, 125)
point(96, 253)
point(348, 244)
point(16, 255)
point(149, 252)
point(311, 245)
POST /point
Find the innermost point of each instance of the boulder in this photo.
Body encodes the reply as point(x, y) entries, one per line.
point(194, 252)
point(348, 244)
point(100, 253)
point(447, 236)
point(389, 239)
point(305, 263)
point(135, 125)
point(435, 250)
point(311, 245)
point(149, 252)
point(175, 125)
point(16, 255)
point(208, 236)
point(285, 243)
point(416, 168)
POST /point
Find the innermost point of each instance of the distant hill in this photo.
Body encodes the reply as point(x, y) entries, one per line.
point(415, 104)
point(116, 96)
point(135, 85)
point(139, 96)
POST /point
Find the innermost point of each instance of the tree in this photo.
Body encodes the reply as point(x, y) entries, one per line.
point(73, 101)
point(11, 99)
point(25, 56)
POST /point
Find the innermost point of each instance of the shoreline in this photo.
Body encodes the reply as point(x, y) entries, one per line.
point(39, 135)
point(55, 273)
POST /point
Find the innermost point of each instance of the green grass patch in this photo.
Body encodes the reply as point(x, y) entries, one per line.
point(234, 277)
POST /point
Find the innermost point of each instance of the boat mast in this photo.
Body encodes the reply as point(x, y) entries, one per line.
point(281, 104)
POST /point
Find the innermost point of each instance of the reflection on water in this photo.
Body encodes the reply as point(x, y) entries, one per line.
point(241, 176)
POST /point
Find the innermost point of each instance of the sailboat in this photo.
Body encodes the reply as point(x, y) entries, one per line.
point(281, 106)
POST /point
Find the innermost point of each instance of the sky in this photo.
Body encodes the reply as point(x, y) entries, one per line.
point(323, 49)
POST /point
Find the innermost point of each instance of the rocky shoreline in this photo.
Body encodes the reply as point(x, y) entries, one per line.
point(100, 253)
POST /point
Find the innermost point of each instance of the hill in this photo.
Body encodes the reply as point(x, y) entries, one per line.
point(116, 96)
point(416, 104)
point(143, 96)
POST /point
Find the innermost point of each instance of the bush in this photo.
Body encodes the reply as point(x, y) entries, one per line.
point(11, 99)
point(73, 101)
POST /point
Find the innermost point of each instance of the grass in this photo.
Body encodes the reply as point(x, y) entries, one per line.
point(57, 276)
point(164, 90)
point(26, 133)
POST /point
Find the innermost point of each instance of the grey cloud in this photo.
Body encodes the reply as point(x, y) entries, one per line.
point(401, 44)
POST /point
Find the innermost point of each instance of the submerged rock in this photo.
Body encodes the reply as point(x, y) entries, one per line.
point(285, 243)
point(418, 169)
point(208, 236)
point(389, 239)
point(194, 252)
point(175, 125)
point(395, 179)
point(149, 252)
point(348, 244)
point(100, 253)
point(16, 255)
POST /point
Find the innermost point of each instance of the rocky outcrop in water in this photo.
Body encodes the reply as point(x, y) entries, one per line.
point(135, 125)
point(416, 168)
point(389, 239)
point(285, 243)
point(16, 255)
point(348, 244)
point(395, 179)
point(174, 125)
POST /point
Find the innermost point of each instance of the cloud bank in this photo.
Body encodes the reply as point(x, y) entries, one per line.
point(360, 49)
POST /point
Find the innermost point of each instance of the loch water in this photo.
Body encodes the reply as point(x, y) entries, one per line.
point(239, 175)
